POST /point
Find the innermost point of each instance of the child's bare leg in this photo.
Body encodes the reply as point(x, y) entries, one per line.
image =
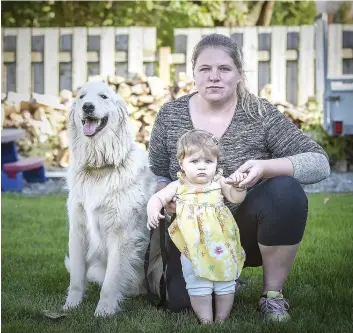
point(224, 299)
point(202, 305)
point(223, 304)
point(200, 292)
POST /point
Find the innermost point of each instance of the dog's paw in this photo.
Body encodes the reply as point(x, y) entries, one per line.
point(73, 299)
point(105, 308)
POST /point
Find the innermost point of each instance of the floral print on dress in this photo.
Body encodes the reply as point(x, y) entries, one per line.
point(186, 251)
point(218, 250)
point(206, 232)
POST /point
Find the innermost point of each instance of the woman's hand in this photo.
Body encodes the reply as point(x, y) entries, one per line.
point(255, 169)
point(170, 207)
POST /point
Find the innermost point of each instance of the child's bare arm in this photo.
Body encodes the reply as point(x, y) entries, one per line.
point(157, 202)
point(231, 193)
point(167, 193)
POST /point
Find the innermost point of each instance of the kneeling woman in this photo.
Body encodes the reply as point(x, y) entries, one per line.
point(254, 138)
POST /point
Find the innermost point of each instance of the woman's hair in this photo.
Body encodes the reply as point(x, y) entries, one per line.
point(197, 141)
point(248, 100)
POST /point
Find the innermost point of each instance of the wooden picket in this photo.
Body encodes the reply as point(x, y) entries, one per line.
point(46, 60)
point(286, 53)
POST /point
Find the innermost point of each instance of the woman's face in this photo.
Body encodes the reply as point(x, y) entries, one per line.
point(215, 74)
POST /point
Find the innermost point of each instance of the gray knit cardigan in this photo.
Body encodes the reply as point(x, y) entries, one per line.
point(268, 136)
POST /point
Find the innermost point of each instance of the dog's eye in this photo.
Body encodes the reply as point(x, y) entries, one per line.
point(104, 96)
point(82, 96)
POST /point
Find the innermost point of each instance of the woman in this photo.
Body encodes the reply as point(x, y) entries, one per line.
point(254, 138)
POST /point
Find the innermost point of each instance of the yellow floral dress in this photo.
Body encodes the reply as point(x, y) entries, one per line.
point(205, 231)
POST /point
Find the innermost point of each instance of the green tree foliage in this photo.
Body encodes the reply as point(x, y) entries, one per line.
point(344, 14)
point(294, 13)
point(164, 15)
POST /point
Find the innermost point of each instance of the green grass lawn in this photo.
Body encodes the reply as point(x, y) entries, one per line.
point(34, 243)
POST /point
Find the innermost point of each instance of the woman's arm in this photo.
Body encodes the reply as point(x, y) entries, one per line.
point(286, 142)
point(157, 152)
point(310, 168)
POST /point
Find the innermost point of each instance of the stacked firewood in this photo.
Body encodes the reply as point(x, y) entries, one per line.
point(183, 85)
point(44, 118)
point(144, 96)
point(308, 114)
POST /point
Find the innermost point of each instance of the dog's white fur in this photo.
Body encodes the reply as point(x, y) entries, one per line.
point(109, 185)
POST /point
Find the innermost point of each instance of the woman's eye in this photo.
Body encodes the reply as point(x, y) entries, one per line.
point(224, 69)
point(104, 96)
point(82, 96)
point(194, 161)
point(203, 69)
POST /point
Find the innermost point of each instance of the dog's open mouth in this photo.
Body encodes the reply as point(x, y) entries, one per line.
point(91, 125)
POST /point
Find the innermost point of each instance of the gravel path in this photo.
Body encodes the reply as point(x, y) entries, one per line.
point(336, 183)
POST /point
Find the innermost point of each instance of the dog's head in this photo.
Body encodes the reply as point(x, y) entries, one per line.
point(99, 129)
point(97, 108)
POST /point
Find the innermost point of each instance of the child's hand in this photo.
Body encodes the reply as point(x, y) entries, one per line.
point(236, 178)
point(153, 219)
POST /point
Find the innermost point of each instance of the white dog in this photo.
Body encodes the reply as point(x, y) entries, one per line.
point(109, 185)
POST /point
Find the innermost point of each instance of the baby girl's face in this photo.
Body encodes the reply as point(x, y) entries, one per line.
point(199, 168)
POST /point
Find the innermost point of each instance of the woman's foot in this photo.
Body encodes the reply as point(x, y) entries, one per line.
point(274, 306)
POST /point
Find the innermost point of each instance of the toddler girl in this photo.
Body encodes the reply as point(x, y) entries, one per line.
point(204, 229)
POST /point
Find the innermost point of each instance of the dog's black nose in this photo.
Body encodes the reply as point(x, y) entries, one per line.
point(88, 108)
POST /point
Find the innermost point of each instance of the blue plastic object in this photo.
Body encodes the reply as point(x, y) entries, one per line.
point(35, 175)
point(11, 184)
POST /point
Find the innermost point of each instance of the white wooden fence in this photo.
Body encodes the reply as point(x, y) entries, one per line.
point(282, 56)
point(46, 60)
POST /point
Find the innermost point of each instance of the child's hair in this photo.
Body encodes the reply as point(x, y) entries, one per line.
point(197, 141)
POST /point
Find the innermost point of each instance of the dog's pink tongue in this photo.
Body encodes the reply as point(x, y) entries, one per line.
point(90, 127)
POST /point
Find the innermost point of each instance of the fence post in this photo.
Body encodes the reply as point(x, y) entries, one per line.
point(334, 47)
point(250, 56)
point(23, 61)
point(51, 61)
point(107, 52)
point(278, 63)
point(79, 57)
point(135, 53)
point(306, 64)
point(193, 37)
point(164, 64)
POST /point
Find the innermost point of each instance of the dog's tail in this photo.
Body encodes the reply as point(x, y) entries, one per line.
point(95, 272)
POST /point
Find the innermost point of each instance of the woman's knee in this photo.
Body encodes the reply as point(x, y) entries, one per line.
point(283, 213)
point(286, 190)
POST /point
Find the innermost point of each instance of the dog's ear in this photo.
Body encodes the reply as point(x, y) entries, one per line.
point(72, 111)
point(121, 106)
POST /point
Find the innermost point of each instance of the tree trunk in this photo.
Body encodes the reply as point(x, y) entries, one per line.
point(254, 14)
point(266, 14)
